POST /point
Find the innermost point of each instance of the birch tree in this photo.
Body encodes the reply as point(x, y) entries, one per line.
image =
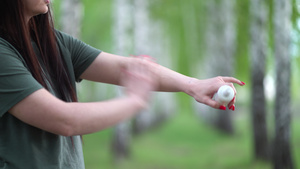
point(142, 46)
point(282, 28)
point(72, 12)
point(220, 49)
point(147, 34)
point(258, 49)
point(71, 17)
point(227, 49)
point(123, 45)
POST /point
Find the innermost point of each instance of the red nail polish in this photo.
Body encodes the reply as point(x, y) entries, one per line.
point(243, 83)
point(222, 107)
point(232, 108)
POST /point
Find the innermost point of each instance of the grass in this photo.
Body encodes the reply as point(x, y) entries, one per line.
point(183, 142)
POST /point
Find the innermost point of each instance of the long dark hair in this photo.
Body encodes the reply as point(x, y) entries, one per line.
point(15, 29)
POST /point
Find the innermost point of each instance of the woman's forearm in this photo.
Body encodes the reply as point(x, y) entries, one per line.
point(167, 79)
point(44, 111)
point(171, 81)
point(85, 118)
point(107, 68)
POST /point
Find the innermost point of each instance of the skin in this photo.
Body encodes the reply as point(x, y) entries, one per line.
point(139, 75)
point(35, 7)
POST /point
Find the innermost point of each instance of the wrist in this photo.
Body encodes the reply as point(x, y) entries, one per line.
point(189, 86)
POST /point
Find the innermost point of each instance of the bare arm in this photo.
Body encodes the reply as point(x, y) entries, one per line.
point(107, 68)
point(42, 110)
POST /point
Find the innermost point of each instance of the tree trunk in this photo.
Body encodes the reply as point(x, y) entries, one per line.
point(282, 28)
point(142, 46)
point(121, 141)
point(258, 49)
point(163, 103)
point(220, 50)
point(149, 40)
point(71, 17)
point(227, 49)
point(123, 44)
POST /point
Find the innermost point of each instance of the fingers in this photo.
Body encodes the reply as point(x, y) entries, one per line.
point(232, 86)
point(138, 79)
point(209, 102)
point(225, 81)
point(215, 104)
point(231, 105)
point(229, 81)
point(233, 80)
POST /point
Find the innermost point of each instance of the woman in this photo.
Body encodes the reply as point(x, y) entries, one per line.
point(40, 118)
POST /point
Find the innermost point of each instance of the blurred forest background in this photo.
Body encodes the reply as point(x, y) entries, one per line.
point(256, 41)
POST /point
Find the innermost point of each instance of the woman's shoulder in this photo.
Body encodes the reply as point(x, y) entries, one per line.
point(59, 34)
point(62, 36)
point(9, 56)
point(65, 40)
point(7, 48)
point(4, 44)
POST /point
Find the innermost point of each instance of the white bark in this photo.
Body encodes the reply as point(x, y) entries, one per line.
point(71, 16)
point(141, 34)
point(123, 45)
point(219, 57)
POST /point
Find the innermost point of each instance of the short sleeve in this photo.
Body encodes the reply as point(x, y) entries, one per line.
point(82, 54)
point(16, 81)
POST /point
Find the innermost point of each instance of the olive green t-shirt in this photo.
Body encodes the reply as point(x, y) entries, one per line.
point(26, 147)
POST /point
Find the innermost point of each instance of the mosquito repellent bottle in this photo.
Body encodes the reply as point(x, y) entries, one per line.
point(224, 95)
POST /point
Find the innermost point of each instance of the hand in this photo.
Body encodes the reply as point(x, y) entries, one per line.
point(138, 81)
point(204, 90)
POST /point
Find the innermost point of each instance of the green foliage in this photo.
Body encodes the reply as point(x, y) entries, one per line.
point(295, 14)
point(185, 23)
point(243, 34)
point(97, 24)
point(55, 6)
point(184, 142)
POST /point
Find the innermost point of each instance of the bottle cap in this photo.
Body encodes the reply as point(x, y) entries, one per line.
point(225, 94)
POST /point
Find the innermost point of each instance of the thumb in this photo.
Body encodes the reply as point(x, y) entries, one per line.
point(214, 104)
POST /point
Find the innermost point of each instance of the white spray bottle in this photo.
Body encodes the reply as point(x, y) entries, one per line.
point(224, 95)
